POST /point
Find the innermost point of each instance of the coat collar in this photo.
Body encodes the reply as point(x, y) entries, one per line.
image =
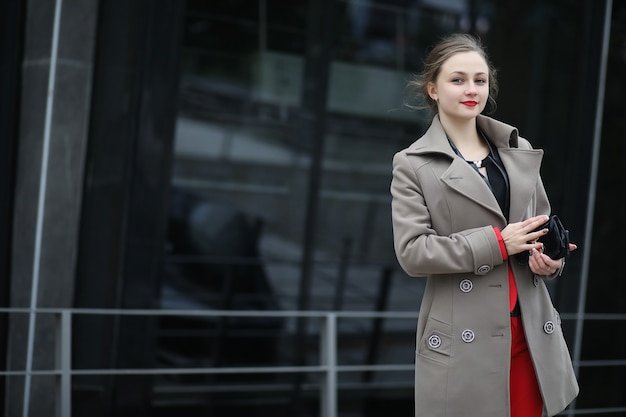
point(522, 165)
point(434, 140)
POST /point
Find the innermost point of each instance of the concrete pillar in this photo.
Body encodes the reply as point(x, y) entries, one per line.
point(54, 116)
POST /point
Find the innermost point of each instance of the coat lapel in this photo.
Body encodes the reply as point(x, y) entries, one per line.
point(459, 176)
point(522, 166)
point(463, 179)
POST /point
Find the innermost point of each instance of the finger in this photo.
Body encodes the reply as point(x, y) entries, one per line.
point(534, 261)
point(533, 266)
point(530, 227)
point(541, 264)
point(551, 265)
point(572, 247)
point(534, 222)
point(538, 270)
point(536, 235)
point(544, 270)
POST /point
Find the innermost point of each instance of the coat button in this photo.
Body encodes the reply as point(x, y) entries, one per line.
point(466, 285)
point(434, 341)
point(483, 269)
point(467, 336)
point(548, 327)
point(536, 281)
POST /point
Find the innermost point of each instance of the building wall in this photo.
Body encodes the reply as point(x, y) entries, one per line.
point(54, 99)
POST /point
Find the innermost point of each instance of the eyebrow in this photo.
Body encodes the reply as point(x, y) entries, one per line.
point(464, 73)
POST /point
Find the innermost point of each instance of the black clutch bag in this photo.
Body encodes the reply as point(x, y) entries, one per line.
point(556, 241)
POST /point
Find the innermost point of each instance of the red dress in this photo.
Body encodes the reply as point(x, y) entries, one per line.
point(525, 395)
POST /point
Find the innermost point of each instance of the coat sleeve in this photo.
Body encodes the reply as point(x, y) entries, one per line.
point(419, 249)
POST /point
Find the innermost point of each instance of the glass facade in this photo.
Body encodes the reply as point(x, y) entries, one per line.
point(288, 119)
point(239, 159)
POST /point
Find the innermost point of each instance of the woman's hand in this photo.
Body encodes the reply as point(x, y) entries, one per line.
point(520, 237)
point(542, 264)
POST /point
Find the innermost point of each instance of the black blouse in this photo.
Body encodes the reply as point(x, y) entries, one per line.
point(497, 179)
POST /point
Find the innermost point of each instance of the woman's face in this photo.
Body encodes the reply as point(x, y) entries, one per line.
point(462, 86)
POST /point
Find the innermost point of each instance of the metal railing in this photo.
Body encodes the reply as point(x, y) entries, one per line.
point(328, 365)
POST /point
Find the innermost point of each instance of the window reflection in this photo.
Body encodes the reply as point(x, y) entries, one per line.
point(239, 140)
point(240, 181)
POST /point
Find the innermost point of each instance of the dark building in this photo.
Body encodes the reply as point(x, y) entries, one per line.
point(195, 208)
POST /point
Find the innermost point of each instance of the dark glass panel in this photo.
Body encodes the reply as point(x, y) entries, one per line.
point(602, 386)
point(607, 282)
point(261, 130)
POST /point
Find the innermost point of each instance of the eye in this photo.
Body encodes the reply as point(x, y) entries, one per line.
point(457, 80)
point(481, 81)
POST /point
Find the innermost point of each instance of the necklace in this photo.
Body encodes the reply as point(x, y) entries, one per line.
point(476, 164)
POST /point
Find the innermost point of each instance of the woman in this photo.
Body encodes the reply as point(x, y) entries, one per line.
point(467, 199)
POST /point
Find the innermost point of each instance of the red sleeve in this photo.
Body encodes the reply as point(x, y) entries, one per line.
point(503, 251)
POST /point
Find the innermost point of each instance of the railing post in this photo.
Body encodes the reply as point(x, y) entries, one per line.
point(64, 365)
point(328, 351)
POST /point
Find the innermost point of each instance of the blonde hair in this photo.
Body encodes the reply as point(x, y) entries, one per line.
point(440, 53)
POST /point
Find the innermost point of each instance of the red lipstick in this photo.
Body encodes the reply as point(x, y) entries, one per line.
point(470, 103)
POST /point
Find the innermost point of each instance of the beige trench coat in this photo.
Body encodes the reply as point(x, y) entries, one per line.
point(443, 218)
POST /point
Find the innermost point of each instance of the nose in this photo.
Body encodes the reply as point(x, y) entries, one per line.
point(471, 89)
